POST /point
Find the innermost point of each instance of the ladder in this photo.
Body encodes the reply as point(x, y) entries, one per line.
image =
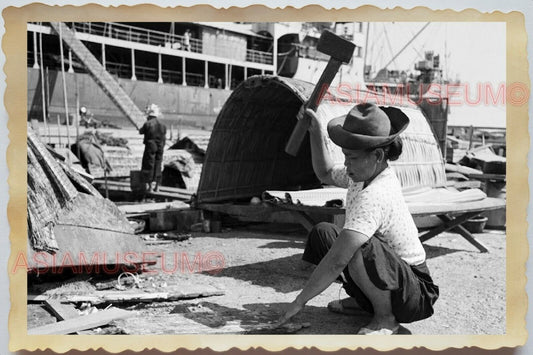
point(102, 77)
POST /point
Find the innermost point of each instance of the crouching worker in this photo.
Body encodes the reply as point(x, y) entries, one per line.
point(377, 255)
point(154, 143)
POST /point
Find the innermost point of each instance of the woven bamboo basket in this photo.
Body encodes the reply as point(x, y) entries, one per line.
point(246, 152)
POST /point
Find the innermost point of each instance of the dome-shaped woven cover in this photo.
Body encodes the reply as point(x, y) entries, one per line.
point(246, 152)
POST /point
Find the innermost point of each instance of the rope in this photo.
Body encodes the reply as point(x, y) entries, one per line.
point(136, 281)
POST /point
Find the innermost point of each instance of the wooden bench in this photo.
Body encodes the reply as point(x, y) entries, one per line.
point(452, 215)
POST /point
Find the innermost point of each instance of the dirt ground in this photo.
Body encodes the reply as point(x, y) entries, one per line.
point(261, 272)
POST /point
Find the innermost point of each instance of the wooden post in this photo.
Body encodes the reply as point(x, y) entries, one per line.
point(48, 101)
point(77, 116)
point(183, 72)
point(64, 84)
point(133, 77)
point(206, 74)
point(228, 83)
point(103, 55)
point(226, 71)
point(245, 73)
point(105, 182)
point(159, 64)
point(35, 65)
point(70, 69)
point(44, 104)
point(58, 131)
point(275, 51)
point(470, 138)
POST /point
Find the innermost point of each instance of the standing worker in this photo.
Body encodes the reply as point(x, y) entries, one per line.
point(154, 142)
point(187, 40)
point(377, 254)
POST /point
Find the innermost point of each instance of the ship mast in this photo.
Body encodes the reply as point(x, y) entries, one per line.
point(406, 45)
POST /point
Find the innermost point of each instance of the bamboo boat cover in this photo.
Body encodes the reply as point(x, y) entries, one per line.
point(246, 152)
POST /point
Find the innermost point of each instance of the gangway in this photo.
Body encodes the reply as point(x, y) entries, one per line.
point(102, 77)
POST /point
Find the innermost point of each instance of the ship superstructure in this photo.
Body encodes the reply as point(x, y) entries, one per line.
point(188, 68)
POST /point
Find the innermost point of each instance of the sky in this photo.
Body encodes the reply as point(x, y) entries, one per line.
point(473, 52)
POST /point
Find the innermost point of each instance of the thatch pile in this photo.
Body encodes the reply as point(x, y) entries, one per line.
point(59, 195)
point(246, 153)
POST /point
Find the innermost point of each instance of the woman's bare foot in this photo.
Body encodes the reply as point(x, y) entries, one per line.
point(346, 306)
point(381, 325)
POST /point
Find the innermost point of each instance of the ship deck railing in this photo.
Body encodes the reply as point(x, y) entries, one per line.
point(157, 38)
point(124, 71)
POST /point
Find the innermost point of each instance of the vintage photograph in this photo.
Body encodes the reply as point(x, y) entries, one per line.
point(266, 178)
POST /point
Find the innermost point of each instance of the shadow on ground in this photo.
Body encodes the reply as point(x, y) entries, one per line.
point(283, 244)
point(283, 274)
point(436, 251)
point(254, 317)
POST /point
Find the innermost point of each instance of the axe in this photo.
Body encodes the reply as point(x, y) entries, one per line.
point(340, 51)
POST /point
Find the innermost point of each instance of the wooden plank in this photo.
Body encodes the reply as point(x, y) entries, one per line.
point(170, 195)
point(99, 297)
point(471, 184)
point(151, 207)
point(126, 185)
point(487, 204)
point(89, 321)
point(498, 177)
point(134, 297)
point(416, 209)
point(158, 242)
point(65, 298)
point(61, 311)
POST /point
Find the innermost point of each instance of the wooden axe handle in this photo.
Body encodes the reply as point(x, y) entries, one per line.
point(298, 133)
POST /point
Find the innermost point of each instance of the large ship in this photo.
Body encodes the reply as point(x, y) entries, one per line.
point(188, 69)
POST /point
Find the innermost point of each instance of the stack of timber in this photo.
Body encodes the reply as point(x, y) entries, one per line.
point(164, 192)
point(69, 223)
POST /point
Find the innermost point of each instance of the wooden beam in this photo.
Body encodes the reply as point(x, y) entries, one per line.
point(89, 321)
point(66, 298)
point(447, 225)
point(465, 234)
point(99, 297)
point(61, 311)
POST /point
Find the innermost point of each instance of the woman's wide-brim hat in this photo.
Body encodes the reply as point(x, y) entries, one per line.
point(367, 126)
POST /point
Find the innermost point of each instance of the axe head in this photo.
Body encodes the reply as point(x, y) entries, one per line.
point(335, 46)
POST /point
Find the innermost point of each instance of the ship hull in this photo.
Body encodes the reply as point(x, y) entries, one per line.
point(181, 105)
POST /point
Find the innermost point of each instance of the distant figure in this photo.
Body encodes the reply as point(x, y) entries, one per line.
point(86, 118)
point(154, 142)
point(187, 40)
point(90, 153)
point(219, 83)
